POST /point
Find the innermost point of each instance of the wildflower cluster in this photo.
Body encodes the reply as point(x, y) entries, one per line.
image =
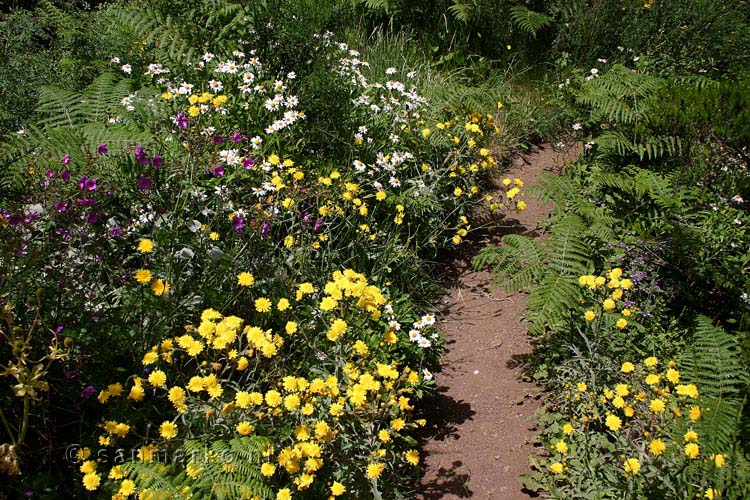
point(647, 424)
point(221, 205)
point(223, 379)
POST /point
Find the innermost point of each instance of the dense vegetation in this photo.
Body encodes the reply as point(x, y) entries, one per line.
point(219, 225)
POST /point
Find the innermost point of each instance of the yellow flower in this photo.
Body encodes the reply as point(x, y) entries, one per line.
point(621, 323)
point(160, 287)
point(127, 488)
point(273, 398)
point(691, 436)
point(581, 386)
point(267, 469)
point(290, 328)
point(337, 489)
point(262, 305)
point(632, 466)
point(689, 390)
point(656, 447)
point(568, 429)
point(136, 393)
point(613, 422)
point(91, 481)
point(652, 379)
point(692, 450)
point(150, 358)
point(710, 493)
point(245, 279)
point(673, 375)
point(695, 413)
point(651, 361)
point(157, 378)
point(145, 245)
point(589, 315)
point(627, 367)
point(656, 406)
point(284, 494)
point(374, 470)
point(244, 428)
point(556, 468)
point(168, 430)
point(561, 447)
point(338, 327)
point(719, 460)
point(426, 133)
point(412, 456)
point(143, 276)
point(88, 467)
point(282, 304)
point(608, 304)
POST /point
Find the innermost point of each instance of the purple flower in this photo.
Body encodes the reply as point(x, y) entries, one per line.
point(93, 218)
point(102, 149)
point(218, 139)
point(157, 161)
point(86, 202)
point(66, 159)
point(87, 184)
point(140, 156)
point(248, 163)
point(60, 206)
point(115, 232)
point(237, 137)
point(238, 223)
point(181, 120)
point(266, 229)
point(218, 170)
point(318, 223)
point(65, 175)
point(50, 174)
point(144, 183)
point(88, 391)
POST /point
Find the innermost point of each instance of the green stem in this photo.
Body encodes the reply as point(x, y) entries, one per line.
point(25, 423)
point(7, 427)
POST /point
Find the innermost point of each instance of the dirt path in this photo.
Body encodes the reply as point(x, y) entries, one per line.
point(481, 421)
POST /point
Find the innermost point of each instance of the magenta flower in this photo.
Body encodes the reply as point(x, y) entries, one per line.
point(144, 183)
point(181, 120)
point(140, 156)
point(102, 149)
point(238, 223)
point(65, 175)
point(266, 230)
point(88, 391)
point(60, 206)
point(66, 159)
point(237, 137)
point(87, 184)
point(157, 161)
point(218, 170)
point(248, 163)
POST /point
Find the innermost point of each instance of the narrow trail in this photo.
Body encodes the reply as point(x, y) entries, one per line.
point(481, 422)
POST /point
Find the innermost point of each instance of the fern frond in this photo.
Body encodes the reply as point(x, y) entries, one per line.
point(713, 361)
point(516, 264)
point(461, 10)
point(528, 20)
point(60, 106)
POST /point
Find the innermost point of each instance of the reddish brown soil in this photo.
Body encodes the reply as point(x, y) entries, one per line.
point(481, 422)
